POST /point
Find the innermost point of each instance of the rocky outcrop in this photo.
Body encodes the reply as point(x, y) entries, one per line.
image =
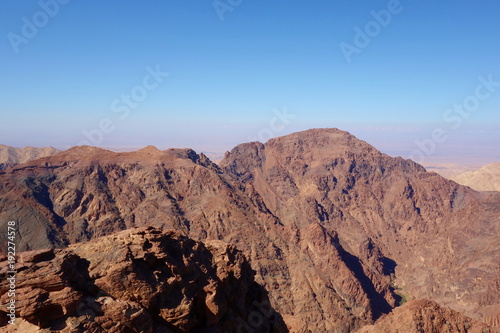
point(422, 316)
point(6, 165)
point(140, 280)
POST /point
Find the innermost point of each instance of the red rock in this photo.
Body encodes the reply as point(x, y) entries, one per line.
point(140, 280)
point(421, 316)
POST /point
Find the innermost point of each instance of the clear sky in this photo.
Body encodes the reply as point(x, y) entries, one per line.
point(389, 72)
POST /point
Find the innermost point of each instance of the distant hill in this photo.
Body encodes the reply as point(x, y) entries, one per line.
point(11, 155)
point(448, 170)
point(486, 178)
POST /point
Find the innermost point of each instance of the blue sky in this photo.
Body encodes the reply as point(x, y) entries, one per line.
point(227, 79)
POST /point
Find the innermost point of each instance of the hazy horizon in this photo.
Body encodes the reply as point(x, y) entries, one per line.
point(417, 79)
point(462, 153)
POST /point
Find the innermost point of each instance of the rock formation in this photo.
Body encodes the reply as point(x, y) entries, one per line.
point(140, 280)
point(421, 316)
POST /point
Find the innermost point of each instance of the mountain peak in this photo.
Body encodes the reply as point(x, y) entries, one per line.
point(149, 149)
point(320, 138)
point(86, 149)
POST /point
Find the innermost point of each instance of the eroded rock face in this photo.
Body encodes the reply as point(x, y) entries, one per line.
point(422, 316)
point(140, 280)
point(6, 165)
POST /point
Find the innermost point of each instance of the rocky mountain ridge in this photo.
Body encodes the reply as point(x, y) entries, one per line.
point(337, 232)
